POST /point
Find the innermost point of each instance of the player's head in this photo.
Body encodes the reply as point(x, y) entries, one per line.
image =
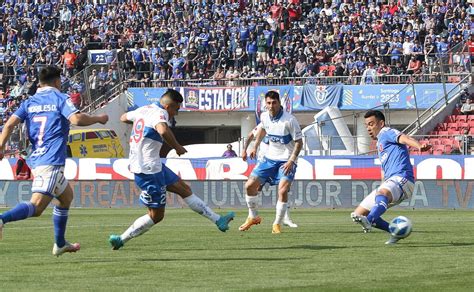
point(171, 101)
point(374, 122)
point(272, 102)
point(50, 76)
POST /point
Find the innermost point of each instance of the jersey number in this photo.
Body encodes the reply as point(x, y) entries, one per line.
point(138, 128)
point(42, 121)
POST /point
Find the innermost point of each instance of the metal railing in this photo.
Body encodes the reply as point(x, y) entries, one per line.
point(436, 107)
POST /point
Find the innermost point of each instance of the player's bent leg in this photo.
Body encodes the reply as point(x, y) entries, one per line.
point(199, 206)
point(382, 201)
point(139, 227)
point(19, 212)
point(359, 216)
point(252, 187)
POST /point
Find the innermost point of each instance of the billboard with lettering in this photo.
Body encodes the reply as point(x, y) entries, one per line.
point(230, 194)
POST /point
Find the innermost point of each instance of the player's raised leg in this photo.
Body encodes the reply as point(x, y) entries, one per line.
point(251, 187)
point(139, 227)
point(198, 205)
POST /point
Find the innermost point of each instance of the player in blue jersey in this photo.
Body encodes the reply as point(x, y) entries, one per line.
point(278, 165)
point(150, 130)
point(397, 172)
point(47, 116)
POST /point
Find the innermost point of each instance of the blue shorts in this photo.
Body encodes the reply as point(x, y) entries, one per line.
point(271, 171)
point(153, 186)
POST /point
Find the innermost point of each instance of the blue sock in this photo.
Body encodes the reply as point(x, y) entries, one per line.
point(381, 224)
point(60, 216)
point(19, 212)
point(381, 205)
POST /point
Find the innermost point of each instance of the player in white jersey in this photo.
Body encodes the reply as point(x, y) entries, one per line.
point(260, 155)
point(47, 115)
point(278, 165)
point(150, 130)
point(398, 178)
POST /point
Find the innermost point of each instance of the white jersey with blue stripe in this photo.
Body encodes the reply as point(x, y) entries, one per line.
point(145, 141)
point(394, 156)
point(46, 115)
point(282, 132)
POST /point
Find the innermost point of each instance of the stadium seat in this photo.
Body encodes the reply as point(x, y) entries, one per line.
point(443, 133)
point(471, 123)
point(453, 126)
point(434, 141)
point(461, 118)
point(471, 131)
point(463, 125)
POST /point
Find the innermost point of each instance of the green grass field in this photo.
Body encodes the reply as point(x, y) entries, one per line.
point(186, 252)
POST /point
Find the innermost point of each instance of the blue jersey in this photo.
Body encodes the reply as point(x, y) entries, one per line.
point(46, 115)
point(394, 156)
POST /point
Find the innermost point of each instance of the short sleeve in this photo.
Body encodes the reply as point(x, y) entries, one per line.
point(392, 135)
point(159, 116)
point(131, 115)
point(68, 108)
point(295, 129)
point(21, 112)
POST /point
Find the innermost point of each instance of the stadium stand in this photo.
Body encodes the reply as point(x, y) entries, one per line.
point(165, 43)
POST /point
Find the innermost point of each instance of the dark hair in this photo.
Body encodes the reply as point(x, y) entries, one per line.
point(272, 95)
point(174, 95)
point(375, 113)
point(49, 74)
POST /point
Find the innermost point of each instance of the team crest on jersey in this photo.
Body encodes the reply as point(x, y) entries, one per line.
point(380, 147)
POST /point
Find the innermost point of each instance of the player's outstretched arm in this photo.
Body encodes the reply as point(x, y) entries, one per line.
point(12, 122)
point(82, 119)
point(123, 119)
point(294, 155)
point(407, 140)
point(170, 139)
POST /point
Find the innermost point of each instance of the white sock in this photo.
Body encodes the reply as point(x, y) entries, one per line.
point(281, 209)
point(140, 226)
point(198, 206)
point(287, 212)
point(252, 203)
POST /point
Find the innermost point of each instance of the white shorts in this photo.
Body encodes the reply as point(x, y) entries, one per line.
point(400, 187)
point(49, 180)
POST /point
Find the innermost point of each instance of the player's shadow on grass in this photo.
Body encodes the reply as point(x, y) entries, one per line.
point(224, 259)
point(441, 244)
point(305, 246)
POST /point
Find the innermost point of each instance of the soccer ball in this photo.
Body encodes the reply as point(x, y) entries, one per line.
point(400, 227)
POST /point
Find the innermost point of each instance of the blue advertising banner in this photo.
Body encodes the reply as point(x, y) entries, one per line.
point(317, 97)
point(231, 194)
point(309, 97)
point(400, 96)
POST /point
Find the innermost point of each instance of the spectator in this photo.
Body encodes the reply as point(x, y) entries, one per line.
point(22, 170)
point(229, 152)
point(76, 98)
point(468, 107)
point(369, 76)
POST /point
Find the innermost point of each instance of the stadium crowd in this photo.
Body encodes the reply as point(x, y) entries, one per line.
point(160, 40)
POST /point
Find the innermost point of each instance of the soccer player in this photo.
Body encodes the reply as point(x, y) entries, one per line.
point(260, 154)
point(150, 129)
point(278, 164)
point(398, 178)
point(47, 115)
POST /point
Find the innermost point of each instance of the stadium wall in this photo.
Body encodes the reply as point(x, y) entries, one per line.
point(323, 182)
